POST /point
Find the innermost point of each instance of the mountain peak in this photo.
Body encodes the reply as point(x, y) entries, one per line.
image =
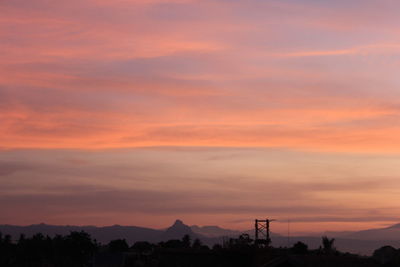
point(178, 223)
point(179, 229)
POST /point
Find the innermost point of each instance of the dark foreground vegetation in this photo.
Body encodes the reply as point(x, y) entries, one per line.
point(78, 249)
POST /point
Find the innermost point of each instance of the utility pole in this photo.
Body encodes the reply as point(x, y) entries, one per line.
point(262, 232)
point(288, 233)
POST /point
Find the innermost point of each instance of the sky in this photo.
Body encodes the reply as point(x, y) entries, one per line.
point(139, 112)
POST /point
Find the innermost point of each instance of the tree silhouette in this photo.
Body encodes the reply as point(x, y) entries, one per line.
point(387, 256)
point(327, 244)
point(173, 243)
point(118, 245)
point(197, 244)
point(74, 250)
point(300, 248)
point(142, 246)
point(244, 241)
point(186, 241)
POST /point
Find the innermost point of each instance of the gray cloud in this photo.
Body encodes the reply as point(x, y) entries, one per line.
point(85, 199)
point(8, 168)
point(163, 182)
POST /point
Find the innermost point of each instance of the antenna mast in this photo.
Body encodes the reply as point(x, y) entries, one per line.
point(262, 232)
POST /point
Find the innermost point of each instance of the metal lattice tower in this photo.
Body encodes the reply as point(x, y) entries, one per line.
point(262, 233)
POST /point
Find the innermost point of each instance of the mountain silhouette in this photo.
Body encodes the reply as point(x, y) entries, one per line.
point(396, 226)
point(105, 234)
point(387, 233)
point(179, 229)
point(214, 231)
point(362, 242)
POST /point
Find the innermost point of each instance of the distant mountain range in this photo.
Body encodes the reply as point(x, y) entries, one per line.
point(132, 234)
point(387, 233)
point(361, 242)
point(214, 231)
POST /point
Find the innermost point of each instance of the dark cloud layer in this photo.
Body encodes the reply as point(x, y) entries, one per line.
point(162, 182)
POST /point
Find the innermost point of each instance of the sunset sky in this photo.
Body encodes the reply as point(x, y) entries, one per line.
point(139, 112)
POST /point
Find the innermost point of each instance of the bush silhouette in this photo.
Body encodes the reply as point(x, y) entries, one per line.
point(118, 245)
